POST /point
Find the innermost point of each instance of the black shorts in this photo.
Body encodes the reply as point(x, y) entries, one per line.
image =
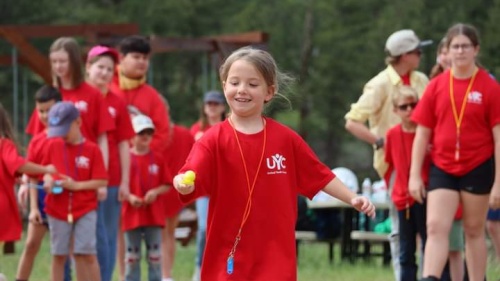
point(478, 181)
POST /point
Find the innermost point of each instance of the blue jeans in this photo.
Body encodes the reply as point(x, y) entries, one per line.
point(409, 227)
point(152, 238)
point(108, 214)
point(202, 213)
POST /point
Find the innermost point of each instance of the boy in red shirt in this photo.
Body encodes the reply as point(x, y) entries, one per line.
point(143, 214)
point(412, 215)
point(72, 214)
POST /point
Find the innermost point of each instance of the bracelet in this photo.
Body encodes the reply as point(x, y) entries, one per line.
point(379, 143)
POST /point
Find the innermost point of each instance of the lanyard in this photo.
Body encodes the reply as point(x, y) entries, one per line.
point(246, 213)
point(144, 187)
point(459, 118)
point(74, 175)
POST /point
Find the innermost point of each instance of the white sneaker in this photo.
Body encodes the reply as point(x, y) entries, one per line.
point(167, 279)
point(2, 277)
point(196, 274)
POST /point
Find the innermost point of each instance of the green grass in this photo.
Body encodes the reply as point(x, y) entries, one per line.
point(313, 265)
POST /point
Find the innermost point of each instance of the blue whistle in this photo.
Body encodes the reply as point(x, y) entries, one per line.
point(57, 189)
point(230, 265)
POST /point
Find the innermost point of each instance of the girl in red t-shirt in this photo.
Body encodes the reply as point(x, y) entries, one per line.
point(458, 113)
point(100, 67)
point(253, 169)
point(11, 166)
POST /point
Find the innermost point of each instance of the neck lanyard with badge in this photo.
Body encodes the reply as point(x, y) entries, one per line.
point(74, 175)
point(459, 118)
point(246, 213)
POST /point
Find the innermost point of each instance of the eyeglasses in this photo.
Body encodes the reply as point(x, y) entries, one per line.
point(404, 107)
point(465, 47)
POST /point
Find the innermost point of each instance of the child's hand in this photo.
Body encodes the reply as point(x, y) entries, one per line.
point(184, 185)
point(123, 192)
point(35, 217)
point(50, 169)
point(68, 183)
point(417, 189)
point(150, 196)
point(22, 195)
point(135, 201)
point(364, 205)
point(48, 183)
point(102, 193)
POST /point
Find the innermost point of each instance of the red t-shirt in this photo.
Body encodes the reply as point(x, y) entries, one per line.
point(434, 111)
point(149, 102)
point(175, 156)
point(10, 162)
point(122, 131)
point(266, 250)
point(398, 155)
point(37, 147)
point(82, 162)
point(147, 172)
point(95, 118)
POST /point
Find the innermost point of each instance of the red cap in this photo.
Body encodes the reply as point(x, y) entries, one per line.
point(102, 50)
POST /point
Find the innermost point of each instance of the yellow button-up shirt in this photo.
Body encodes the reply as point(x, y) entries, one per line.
point(375, 106)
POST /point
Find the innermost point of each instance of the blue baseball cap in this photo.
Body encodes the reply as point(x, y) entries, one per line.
point(61, 115)
point(214, 96)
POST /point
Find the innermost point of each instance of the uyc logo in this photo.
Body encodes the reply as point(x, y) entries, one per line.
point(276, 162)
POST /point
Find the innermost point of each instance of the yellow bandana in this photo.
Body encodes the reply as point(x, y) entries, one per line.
point(129, 83)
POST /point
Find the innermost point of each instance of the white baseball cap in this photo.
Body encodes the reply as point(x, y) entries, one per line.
point(142, 122)
point(404, 41)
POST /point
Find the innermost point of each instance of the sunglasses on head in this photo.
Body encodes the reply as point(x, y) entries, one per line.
point(404, 107)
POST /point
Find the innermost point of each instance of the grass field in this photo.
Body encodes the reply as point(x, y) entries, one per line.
point(313, 266)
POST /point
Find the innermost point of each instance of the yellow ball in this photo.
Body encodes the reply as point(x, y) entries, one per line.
point(189, 177)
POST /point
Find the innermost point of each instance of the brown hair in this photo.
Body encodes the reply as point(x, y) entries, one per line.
point(70, 46)
point(262, 61)
point(390, 60)
point(462, 29)
point(404, 91)
point(6, 129)
point(438, 68)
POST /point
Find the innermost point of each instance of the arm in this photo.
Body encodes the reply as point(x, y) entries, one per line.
point(35, 169)
point(72, 185)
point(495, 191)
point(123, 150)
point(360, 131)
point(152, 194)
point(338, 190)
point(102, 141)
point(34, 216)
point(419, 149)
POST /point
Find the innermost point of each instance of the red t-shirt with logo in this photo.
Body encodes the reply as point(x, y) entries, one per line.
point(147, 172)
point(434, 111)
point(398, 147)
point(10, 162)
point(95, 118)
point(266, 250)
point(122, 131)
point(81, 162)
point(149, 102)
point(175, 155)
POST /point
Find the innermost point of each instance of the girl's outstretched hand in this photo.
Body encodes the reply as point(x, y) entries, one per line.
point(184, 183)
point(364, 205)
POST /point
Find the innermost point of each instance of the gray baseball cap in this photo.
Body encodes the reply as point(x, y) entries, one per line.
point(404, 41)
point(61, 115)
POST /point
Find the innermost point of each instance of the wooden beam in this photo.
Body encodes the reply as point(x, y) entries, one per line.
point(253, 37)
point(37, 31)
point(38, 62)
point(172, 44)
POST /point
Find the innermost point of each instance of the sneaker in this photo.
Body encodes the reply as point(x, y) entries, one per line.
point(2, 277)
point(196, 274)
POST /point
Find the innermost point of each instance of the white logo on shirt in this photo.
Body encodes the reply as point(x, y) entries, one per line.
point(112, 111)
point(82, 106)
point(475, 97)
point(82, 162)
point(153, 169)
point(276, 164)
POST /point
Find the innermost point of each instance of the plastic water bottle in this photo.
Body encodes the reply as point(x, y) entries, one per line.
point(366, 189)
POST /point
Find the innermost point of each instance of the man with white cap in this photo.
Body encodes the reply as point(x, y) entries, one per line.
point(403, 50)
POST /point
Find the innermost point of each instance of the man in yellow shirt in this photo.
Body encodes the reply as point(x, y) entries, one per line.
point(403, 50)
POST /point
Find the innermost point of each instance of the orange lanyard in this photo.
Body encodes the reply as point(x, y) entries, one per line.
point(246, 213)
point(459, 118)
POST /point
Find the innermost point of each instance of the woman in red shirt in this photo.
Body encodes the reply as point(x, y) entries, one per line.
point(458, 114)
